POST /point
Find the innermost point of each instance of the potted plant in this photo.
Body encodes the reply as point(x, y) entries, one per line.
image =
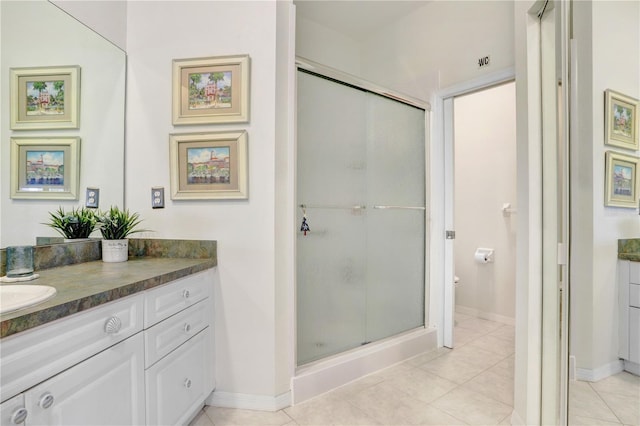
point(78, 223)
point(115, 226)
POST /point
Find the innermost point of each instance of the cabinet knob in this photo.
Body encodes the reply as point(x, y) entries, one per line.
point(19, 416)
point(46, 400)
point(187, 328)
point(187, 383)
point(186, 294)
point(113, 325)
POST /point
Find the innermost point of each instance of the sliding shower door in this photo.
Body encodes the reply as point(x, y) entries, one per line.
point(361, 191)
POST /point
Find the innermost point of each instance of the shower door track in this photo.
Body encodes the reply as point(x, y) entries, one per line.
point(323, 71)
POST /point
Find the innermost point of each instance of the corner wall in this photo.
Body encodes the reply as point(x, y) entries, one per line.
point(607, 34)
point(247, 324)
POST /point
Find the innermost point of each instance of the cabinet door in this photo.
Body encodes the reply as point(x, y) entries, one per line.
point(634, 335)
point(178, 384)
point(106, 389)
point(12, 411)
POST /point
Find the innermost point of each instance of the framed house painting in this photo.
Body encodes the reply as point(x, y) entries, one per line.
point(209, 165)
point(211, 90)
point(45, 98)
point(45, 168)
point(621, 180)
point(621, 120)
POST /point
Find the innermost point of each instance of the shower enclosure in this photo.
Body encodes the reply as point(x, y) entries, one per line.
point(361, 191)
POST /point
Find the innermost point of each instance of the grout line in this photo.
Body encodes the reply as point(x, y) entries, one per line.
point(605, 403)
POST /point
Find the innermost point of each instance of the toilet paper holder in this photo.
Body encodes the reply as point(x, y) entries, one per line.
point(484, 255)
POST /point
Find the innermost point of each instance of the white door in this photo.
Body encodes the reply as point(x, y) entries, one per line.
point(106, 389)
point(13, 411)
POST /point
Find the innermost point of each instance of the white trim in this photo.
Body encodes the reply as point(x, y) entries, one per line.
point(477, 84)
point(485, 315)
point(601, 372)
point(248, 401)
point(515, 419)
point(448, 290)
point(327, 374)
point(357, 82)
point(632, 367)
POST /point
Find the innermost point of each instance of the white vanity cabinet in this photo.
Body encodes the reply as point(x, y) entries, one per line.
point(143, 359)
point(106, 389)
point(178, 349)
point(85, 369)
point(629, 326)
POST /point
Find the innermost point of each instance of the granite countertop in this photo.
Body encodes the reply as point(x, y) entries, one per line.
point(629, 249)
point(88, 284)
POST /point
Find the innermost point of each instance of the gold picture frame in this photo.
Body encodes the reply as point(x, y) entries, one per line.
point(45, 98)
point(621, 181)
point(45, 168)
point(621, 120)
point(206, 166)
point(211, 90)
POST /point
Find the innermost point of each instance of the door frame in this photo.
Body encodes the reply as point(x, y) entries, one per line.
point(441, 278)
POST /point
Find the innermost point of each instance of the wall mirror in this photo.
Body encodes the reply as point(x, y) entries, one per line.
point(38, 34)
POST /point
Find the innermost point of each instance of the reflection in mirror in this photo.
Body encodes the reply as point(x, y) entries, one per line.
point(39, 34)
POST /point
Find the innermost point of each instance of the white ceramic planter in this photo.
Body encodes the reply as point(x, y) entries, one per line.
point(115, 250)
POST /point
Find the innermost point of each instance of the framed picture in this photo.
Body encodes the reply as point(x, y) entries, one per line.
point(621, 180)
point(211, 90)
point(209, 165)
point(45, 168)
point(621, 120)
point(45, 98)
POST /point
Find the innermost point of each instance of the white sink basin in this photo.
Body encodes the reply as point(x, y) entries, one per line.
point(19, 296)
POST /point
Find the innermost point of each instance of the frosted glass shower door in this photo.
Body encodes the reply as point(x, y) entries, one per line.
point(395, 217)
point(331, 259)
point(360, 178)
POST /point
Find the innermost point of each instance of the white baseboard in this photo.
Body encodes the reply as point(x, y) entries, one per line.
point(485, 315)
point(602, 372)
point(249, 402)
point(632, 367)
point(515, 419)
point(324, 375)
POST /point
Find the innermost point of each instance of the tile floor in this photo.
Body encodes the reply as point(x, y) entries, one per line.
point(611, 401)
point(470, 385)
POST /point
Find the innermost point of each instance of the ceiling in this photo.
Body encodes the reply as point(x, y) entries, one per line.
point(355, 18)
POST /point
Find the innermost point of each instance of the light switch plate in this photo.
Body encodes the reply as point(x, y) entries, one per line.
point(157, 197)
point(93, 198)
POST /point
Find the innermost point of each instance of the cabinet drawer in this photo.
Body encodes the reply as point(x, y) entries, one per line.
point(178, 384)
point(167, 335)
point(34, 355)
point(169, 299)
point(634, 295)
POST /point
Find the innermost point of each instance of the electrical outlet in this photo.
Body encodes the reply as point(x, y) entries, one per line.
point(93, 198)
point(157, 197)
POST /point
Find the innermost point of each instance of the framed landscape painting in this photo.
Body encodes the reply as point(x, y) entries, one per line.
point(208, 165)
point(45, 98)
point(621, 180)
point(621, 120)
point(211, 90)
point(45, 168)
